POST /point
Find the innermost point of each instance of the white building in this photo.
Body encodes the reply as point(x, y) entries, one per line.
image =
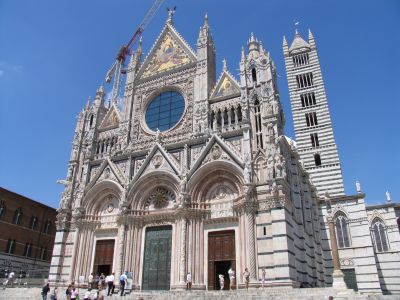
point(194, 174)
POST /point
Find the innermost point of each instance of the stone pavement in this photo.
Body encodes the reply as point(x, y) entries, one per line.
point(269, 293)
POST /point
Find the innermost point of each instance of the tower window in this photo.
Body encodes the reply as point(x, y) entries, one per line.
point(257, 114)
point(317, 159)
point(308, 99)
point(311, 119)
point(91, 121)
point(301, 60)
point(265, 230)
point(314, 139)
point(304, 80)
point(254, 75)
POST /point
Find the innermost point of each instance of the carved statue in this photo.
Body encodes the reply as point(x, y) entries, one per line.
point(358, 187)
point(247, 169)
point(388, 199)
point(183, 183)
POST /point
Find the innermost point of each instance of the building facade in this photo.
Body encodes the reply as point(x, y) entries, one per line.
point(26, 236)
point(192, 173)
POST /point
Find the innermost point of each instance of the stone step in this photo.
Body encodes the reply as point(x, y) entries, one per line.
point(268, 293)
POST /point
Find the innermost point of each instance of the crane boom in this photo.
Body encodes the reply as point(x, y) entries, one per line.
point(116, 68)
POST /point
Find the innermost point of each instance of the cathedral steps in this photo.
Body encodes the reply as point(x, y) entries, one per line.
point(269, 293)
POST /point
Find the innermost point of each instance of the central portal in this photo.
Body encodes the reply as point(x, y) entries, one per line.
point(157, 258)
point(221, 256)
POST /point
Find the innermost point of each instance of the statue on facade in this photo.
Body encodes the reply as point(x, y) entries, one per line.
point(247, 169)
point(388, 199)
point(358, 187)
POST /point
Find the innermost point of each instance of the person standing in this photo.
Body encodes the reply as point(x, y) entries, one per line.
point(97, 281)
point(262, 277)
point(221, 281)
point(110, 284)
point(231, 274)
point(74, 293)
point(87, 296)
point(11, 278)
point(68, 292)
point(246, 275)
point(55, 294)
point(122, 282)
point(189, 281)
point(45, 291)
point(90, 281)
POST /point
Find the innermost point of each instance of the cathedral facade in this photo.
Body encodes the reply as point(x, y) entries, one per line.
point(193, 173)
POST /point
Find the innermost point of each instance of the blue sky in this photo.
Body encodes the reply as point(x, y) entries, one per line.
point(54, 55)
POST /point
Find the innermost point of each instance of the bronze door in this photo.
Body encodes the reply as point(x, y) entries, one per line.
point(104, 256)
point(157, 258)
point(221, 256)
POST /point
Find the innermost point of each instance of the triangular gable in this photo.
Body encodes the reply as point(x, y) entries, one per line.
point(215, 140)
point(112, 118)
point(113, 174)
point(169, 52)
point(152, 158)
point(226, 86)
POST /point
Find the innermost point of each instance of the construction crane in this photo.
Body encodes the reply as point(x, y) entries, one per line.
point(116, 69)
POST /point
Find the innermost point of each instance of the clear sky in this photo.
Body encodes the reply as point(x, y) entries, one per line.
point(55, 54)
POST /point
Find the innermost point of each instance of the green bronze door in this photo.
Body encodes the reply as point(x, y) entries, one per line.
point(157, 258)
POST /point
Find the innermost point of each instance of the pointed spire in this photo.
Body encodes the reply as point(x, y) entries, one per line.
point(284, 43)
point(311, 40)
point(261, 48)
point(170, 19)
point(206, 20)
point(298, 42)
point(243, 57)
point(88, 103)
point(253, 44)
point(224, 67)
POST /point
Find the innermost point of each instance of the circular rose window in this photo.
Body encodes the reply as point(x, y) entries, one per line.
point(164, 111)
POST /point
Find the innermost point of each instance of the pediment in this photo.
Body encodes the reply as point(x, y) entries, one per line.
point(225, 87)
point(158, 159)
point(169, 52)
point(107, 171)
point(216, 149)
point(112, 119)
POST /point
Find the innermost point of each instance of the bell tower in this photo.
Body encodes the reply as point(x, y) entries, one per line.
point(312, 122)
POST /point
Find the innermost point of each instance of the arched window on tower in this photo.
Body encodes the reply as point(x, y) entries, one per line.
point(342, 230)
point(317, 159)
point(257, 114)
point(379, 236)
point(254, 75)
point(91, 121)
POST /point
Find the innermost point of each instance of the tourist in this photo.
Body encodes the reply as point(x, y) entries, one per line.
point(90, 281)
point(11, 278)
point(55, 294)
point(45, 291)
point(102, 279)
point(122, 282)
point(231, 274)
point(87, 296)
point(97, 280)
point(68, 292)
point(246, 275)
point(189, 281)
point(262, 277)
point(74, 293)
point(221, 281)
point(110, 284)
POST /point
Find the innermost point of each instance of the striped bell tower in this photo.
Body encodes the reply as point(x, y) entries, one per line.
point(312, 122)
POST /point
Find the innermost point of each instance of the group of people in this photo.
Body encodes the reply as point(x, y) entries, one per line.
point(97, 283)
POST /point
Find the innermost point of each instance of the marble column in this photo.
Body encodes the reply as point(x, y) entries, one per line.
point(337, 275)
point(120, 244)
point(250, 240)
point(182, 262)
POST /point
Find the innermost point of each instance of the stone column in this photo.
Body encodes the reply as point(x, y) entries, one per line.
point(120, 244)
point(249, 210)
point(182, 262)
point(337, 275)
